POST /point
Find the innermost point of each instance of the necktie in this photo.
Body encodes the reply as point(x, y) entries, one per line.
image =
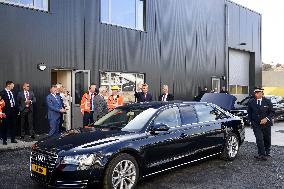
point(259, 102)
point(91, 102)
point(27, 95)
point(164, 97)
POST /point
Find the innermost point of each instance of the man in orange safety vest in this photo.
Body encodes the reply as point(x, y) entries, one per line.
point(87, 105)
point(115, 99)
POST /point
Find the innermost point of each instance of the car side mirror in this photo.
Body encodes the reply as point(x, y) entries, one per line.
point(158, 127)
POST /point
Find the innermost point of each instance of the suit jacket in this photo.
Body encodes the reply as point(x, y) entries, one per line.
point(100, 107)
point(140, 96)
point(54, 105)
point(8, 109)
point(21, 99)
point(257, 112)
point(170, 97)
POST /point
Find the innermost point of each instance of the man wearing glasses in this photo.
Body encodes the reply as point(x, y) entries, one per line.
point(26, 99)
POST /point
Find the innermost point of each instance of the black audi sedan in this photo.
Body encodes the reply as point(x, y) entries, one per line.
point(135, 141)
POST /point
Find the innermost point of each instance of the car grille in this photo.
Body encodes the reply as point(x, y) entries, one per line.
point(44, 159)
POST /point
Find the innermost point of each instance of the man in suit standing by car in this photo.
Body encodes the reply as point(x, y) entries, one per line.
point(143, 96)
point(26, 99)
point(55, 109)
point(260, 114)
point(166, 96)
point(11, 112)
point(101, 107)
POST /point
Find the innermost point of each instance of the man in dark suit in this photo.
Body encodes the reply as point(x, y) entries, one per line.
point(223, 90)
point(100, 104)
point(26, 99)
point(55, 109)
point(11, 112)
point(143, 96)
point(200, 95)
point(260, 114)
point(166, 96)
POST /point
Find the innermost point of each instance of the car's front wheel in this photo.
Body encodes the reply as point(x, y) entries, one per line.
point(231, 147)
point(122, 172)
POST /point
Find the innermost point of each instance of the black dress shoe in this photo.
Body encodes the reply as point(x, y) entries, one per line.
point(4, 142)
point(14, 141)
point(32, 136)
point(261, 158)
point(268, 156)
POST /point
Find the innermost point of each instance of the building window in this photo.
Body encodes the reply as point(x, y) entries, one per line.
point(34, 4)
point(238, 89)
point(126, 13)
point(127, 82)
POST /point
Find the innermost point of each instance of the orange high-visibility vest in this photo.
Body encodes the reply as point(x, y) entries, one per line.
point(113, 102)
point(2, 105)
point(86, 102)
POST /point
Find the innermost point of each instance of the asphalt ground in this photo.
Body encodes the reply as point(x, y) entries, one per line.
point(243, 172)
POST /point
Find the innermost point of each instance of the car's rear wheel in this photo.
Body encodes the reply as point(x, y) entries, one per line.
point(231, 148)
point(122, 172)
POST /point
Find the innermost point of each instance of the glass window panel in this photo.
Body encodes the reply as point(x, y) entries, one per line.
point(140, 4)
point(35, 4)
point(26, 3)
point(123, 13)
point(205, 113)
point(105, 11)
point(170, 117)
point(125, 81)
point(81, 85)
point(188, 115)
point(233, 89)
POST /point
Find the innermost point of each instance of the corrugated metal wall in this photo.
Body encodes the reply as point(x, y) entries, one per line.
point(184, 45)
point(244, 27)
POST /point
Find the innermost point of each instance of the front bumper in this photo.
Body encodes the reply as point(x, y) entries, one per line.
point(63, 176)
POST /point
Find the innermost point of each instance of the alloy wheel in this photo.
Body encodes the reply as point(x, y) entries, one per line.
point(233, 146)
point(124, 175)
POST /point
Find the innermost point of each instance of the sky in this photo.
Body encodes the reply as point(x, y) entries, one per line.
point(272, 12)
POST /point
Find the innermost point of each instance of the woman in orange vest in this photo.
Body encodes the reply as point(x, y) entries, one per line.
point(114, 100)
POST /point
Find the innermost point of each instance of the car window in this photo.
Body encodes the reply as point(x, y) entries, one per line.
point(126, 119)
point(188, 115)
point(205, 113)
point(169, 117)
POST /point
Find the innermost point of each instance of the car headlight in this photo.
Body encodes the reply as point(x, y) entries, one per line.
point(82, 161)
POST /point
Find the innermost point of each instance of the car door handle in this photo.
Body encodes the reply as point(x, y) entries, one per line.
point(183, 135)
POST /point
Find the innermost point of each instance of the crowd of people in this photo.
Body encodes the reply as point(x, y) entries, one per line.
point(205, 90)
point(95, 103)
point(12, 105)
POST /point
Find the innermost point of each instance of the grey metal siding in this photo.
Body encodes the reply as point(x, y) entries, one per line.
point(245, 27)
point(183, 46)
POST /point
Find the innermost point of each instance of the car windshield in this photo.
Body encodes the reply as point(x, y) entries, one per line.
point(126, 119)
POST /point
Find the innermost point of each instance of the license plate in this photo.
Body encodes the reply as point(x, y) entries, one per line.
point(39, 169)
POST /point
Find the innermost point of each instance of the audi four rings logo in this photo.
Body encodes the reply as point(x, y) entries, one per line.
point(40, 158)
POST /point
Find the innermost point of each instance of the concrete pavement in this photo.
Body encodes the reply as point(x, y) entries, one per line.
point(277, 134)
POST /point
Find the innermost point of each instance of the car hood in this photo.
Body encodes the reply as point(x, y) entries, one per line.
point(223, 100)
point(80, 137)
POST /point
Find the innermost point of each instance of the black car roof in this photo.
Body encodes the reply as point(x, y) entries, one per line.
point(157, 104)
